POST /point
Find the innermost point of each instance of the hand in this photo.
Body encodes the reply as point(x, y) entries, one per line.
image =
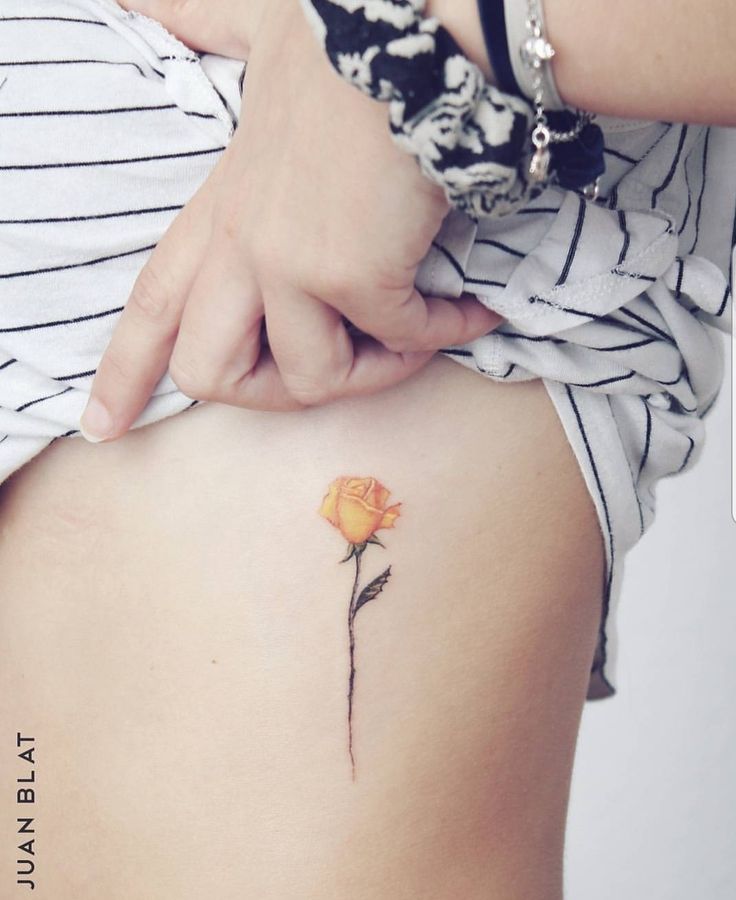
point(223, 26)
point(311, 214)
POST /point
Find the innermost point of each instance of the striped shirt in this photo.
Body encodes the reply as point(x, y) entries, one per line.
point(109, 124)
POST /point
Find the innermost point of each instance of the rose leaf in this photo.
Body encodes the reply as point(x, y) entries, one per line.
point(351, 553)
point(373, 589)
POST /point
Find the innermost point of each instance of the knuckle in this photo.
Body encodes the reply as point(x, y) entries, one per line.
point(308, 390)
point(152, 294)
point(406, 327)
point(406, 339)
point(402, 344)
point(341, 284)
point(324, 381)
point(190, 379)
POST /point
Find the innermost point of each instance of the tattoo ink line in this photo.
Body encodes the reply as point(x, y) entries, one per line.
point(357, 507)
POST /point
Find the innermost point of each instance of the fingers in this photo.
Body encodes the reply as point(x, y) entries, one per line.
point(309, 342)
point(218, 355)
point(427, 323)
point(219, 337)
point(318, 361)
point(200, 24)
point(138, 353)
point(310, 358)
point(196, 311)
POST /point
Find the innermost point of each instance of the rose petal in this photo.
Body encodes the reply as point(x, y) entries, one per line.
point(355, 487)
point(329, 503)
point(389, 516)
point(358, 520)
point(377, 495)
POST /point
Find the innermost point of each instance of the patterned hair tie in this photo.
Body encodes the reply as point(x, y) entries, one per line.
point(467, 136)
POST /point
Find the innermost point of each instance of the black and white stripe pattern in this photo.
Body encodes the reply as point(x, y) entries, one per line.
point(608, 304)
point(109, 125)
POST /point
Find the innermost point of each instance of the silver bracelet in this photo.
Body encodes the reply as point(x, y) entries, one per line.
point(536, 52)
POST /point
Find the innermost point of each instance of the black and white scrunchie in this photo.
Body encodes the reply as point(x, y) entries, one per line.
point(467, 136)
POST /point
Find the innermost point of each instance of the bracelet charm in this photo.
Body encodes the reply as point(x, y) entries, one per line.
point(539, 166)
point(535, 53)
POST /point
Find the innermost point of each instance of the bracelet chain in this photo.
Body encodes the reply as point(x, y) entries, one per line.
point(536, 52)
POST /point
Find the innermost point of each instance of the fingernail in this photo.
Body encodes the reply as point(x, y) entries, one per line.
point(96, 423)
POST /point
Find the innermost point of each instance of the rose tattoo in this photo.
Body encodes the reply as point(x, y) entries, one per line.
point(357, 507)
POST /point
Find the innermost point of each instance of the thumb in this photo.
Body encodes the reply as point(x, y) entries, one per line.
point(201, 24)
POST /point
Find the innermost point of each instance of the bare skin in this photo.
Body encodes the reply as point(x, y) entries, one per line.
point(630, 66)
point(174, 638)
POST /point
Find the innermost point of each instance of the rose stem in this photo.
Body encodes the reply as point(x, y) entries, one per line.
point(351, 617)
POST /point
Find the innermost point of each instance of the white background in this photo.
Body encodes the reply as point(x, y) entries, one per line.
point(653, 804)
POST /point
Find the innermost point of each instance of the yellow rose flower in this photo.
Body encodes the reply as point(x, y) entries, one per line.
point(357, 506)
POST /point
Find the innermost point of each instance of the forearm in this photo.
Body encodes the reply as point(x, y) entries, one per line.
point(665, 59)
